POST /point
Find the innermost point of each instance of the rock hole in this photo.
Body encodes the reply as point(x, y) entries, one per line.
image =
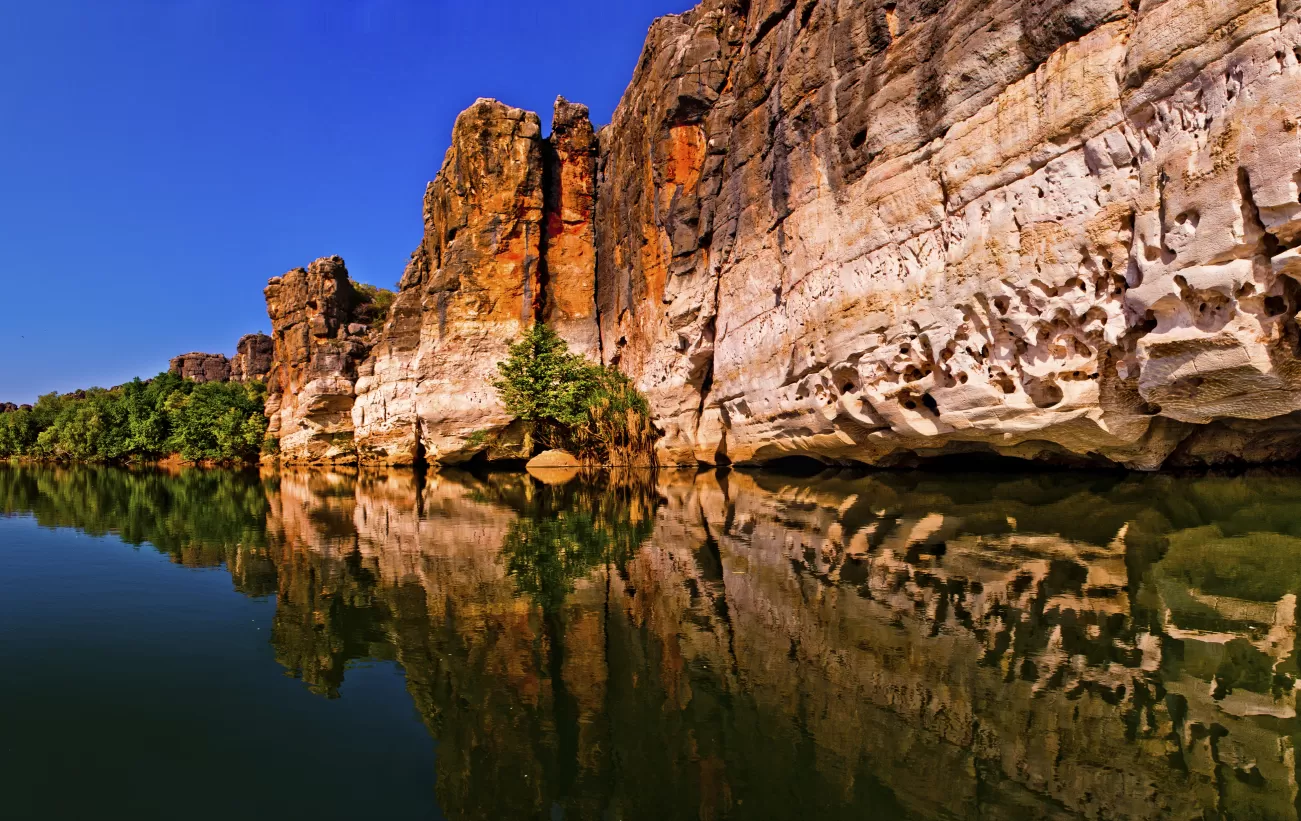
point(1275, 306)
point(1002, 304)
point(858, 140)
point(931, 404)
point(1043, 393)
point(849, 388)
point(1150, 409)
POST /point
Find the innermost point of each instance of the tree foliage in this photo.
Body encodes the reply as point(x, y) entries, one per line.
point(565, 401)
point(141, 421)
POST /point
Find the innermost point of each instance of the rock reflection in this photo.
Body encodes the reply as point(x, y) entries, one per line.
point(751, 646)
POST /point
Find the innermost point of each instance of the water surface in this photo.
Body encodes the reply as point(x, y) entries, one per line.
point(723, 646)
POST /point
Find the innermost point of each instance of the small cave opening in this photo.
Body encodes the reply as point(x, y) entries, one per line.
point(858, 140)
point(1275, 306)
point(797, 465)
point(931, 404)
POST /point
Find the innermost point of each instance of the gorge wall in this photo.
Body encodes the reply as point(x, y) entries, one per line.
point(866, 231)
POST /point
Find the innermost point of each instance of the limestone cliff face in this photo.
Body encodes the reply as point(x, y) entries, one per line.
point(877, 231)
point(1053, 229)
point(319, 344)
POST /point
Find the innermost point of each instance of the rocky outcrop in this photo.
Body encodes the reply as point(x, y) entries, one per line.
point(253, 361)
point(478, 279)
point(319, 343)
point(201, 367)
point(882, 231)
point(254, 358)
point(568, 230)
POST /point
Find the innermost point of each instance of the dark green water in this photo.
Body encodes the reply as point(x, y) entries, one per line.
point(323, 645)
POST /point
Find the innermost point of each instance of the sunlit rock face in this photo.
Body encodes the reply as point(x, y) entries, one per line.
point(201, 367)
point(254, 358)
point(508, 242)
point(868, 230)
point(319, 342)
point(878, 232)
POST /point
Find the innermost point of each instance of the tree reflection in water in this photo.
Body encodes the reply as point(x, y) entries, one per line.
point(753, 646)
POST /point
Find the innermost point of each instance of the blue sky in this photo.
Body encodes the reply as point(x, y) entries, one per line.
point(163, 158)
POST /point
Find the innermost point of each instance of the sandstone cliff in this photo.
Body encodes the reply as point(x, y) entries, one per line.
point(319, 343)
point(874, 231)
point(201, 367)
point(508, 242)
point(253, 360)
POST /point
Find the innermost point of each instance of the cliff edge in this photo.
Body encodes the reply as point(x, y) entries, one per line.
point(866, 231)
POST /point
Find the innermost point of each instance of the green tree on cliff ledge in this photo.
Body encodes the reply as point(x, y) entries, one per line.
point(567, 402)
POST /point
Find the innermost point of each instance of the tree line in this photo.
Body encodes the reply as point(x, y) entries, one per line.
point(141, 421)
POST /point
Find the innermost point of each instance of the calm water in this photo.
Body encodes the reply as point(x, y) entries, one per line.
point(318, 645)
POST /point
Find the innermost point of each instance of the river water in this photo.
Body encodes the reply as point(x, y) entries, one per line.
point(716, 646)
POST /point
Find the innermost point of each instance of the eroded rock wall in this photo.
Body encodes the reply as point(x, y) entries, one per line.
point(508, 242)
point(254, 358)
point(201, 367)
point(876, 231)
point(319, 344)
point(867, 230)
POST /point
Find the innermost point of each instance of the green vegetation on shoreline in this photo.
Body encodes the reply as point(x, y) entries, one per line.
point(141, 422)
point(568, 402)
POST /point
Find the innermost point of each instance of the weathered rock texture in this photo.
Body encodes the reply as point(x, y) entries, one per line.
point(477, 280)
point(202, 367)
point(863, 230)
point(319, 341)
point(254, 358)
point(876, 231)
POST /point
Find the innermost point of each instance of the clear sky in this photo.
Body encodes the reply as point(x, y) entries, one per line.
point(161, 159)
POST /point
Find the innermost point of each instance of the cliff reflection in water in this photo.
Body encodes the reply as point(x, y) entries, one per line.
point(753, 646)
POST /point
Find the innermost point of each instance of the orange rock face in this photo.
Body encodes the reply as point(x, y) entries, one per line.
point(508, 242)
point(569, 231)
point(318, 346)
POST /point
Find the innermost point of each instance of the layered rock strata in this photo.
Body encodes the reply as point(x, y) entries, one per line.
point(879, 231)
